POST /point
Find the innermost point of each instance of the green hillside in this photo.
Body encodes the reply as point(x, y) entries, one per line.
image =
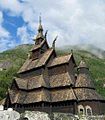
point(17, 56)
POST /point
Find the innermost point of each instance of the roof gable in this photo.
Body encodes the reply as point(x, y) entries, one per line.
point(32, 64)
point(31, 82)
point(35, 47)
point(60, 60)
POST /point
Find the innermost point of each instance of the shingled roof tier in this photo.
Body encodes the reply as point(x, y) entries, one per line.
point(31, 83)
point(60, 60)
point(35, 47)
point(41, 95)
point(32, 64)
point(84, 80)
point(63, 95)
point(87, 94)
point(23, 97)
point(62, 79)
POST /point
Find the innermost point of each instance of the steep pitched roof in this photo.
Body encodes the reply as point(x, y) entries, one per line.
point(87, 94)
point(84, 80)
point(63, 95)
point(31, 82)
point(60, 60)
point(35, 47)
point(63, 79)
point(23, 97)
point(13, 95)
point(31, 64)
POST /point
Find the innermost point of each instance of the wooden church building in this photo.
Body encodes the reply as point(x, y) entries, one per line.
point(47, 82)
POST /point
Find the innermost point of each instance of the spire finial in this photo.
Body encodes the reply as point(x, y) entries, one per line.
point(46, 34)
point(40, 20)
point(40, 28)
point(53, 44)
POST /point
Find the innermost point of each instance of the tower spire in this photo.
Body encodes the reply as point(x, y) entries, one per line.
point(40, 29)
point(40, 19)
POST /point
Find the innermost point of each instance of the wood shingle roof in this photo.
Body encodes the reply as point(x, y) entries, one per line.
point(60, 60)
point(63, 95)
point(23, 97)
point(31, 82)
point(63, 79)
point(35, 47)
point(87, 94)
point(32, 64)
point(84, 80)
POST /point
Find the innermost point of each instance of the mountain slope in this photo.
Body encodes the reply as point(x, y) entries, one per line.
point(17, 56)
point(87, 47)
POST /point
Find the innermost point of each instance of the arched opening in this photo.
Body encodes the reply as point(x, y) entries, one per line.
point(81, 110)
point(88, 110)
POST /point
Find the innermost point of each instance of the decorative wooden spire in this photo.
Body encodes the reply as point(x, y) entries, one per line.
point(53, 44)
point(46, 34)
point(40, 29)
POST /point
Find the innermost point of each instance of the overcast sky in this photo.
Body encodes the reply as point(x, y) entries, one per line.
point(74, 21)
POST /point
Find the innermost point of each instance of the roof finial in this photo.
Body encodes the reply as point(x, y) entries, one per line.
point(53, 44)
point(40, 29)
point(40, 21)
point(46, 33)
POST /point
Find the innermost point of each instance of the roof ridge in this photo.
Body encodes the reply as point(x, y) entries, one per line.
point(69, 54)
point(60, 60)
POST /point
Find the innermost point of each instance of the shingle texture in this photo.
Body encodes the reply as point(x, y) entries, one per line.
point(84, 80)
point(31, 83)
point(60, 60)
point(24, 97)
point(87, 94)
point(58, 80)
point(32, 64)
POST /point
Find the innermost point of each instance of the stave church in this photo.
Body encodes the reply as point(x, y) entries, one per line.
point(50, 83)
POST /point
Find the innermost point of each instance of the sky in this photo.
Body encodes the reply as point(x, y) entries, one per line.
point(74, 21)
